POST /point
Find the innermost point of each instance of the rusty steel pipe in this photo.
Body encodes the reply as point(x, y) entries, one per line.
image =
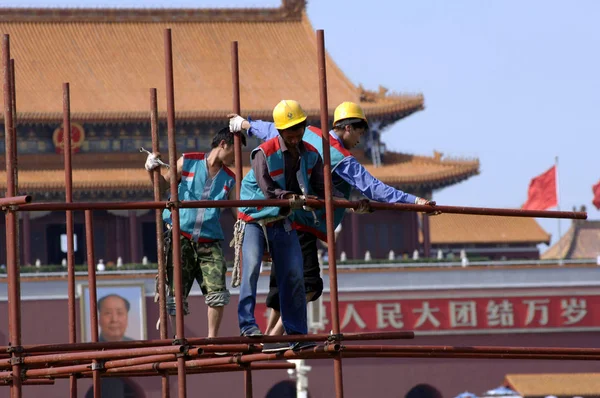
point(237, 142)
point(482, 211)
point(15, 201)
point(13, 148)
point(176, 243)
point(70, 370)
point(474, 350)
point(89, 244)
point(100, 355)
point(38, 382)
point(208, 349)
point(289, 354)
point(237, 145)
point(486, 211)
point(32, 382)
point(247, 381)
point(333, 283)
point(211, 369)
point(205, 362)
point(69, 223)
point(470, 356)
point(119, 363)
point(154, 344)
point(162, 272)
point(13, 269)
point(348, 352)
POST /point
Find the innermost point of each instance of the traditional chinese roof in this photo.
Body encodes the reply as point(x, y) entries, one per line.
point(111, 57)
point(407, 170)
point(557, 384)
point(582, 240)
point(449, 229)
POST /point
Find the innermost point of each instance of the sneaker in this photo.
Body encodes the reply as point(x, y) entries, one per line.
point(252, 331)
point(301, 345)
point(275, 347)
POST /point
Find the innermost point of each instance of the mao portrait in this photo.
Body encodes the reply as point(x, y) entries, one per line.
point(120, 312)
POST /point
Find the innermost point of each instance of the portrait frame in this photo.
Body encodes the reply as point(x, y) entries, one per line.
point(134, 293)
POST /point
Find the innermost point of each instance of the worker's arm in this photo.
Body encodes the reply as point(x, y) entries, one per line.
point(232, 196)
point(163, 180)
point(356, 175)
point(263, 130)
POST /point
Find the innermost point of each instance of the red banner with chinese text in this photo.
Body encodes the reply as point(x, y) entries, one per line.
point(456, 315)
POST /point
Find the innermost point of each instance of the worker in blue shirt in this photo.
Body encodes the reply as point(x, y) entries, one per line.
point(349, 125)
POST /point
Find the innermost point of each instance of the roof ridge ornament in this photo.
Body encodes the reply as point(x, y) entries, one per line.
point(372, 95)
point(293, 6)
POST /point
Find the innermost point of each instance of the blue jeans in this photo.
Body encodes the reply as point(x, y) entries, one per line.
point(287, 260)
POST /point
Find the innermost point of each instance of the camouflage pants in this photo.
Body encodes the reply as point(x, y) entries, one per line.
point(203, 262)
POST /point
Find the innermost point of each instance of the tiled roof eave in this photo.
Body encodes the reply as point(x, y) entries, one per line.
point(149, 15)
point(437, 181)
point(396, 113)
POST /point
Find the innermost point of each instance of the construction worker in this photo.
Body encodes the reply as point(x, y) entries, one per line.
point(200, 176)
point(349, 125)
point(283, 167)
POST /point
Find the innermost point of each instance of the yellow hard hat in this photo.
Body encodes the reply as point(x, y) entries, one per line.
point(348, 110)
point(288, 113)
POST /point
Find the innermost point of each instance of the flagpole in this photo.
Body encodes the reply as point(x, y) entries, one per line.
point(560, 260)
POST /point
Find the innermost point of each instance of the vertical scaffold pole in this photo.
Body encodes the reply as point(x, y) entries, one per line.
point(176, 243)
point(89, 244)
point(69, 216)
point(237, 143)
point(162, 272)
point(13, 269)
point(333, 288)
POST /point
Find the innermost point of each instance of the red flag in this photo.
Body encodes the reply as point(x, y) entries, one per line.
point(542, 191)
point(596, 200)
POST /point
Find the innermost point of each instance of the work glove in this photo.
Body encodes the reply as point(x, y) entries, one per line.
point(364, 207)
point(152, 161)
point(296, 202)
point(423, 201)
point(235, 123)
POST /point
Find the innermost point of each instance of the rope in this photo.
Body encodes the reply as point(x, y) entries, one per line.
point(238, 238)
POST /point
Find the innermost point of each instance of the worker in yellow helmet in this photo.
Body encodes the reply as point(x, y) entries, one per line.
point(349, 126)
point(283, 167)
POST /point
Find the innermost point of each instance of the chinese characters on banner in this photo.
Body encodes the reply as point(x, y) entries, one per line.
point(455, 314)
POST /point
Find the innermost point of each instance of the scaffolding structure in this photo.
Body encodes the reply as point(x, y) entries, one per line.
point(22, 364)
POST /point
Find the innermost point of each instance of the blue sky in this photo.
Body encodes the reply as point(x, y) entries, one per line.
point(513, 83)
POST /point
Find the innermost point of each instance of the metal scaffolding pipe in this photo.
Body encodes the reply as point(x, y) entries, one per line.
point(210, 369)
point(33, 382)
point(176, 243)
point(239, 174)
point(482, 211)
point(215, 341)
point(243, 359)
point(162, 362)
point(99, 355)
point(69, 224)
point(480, 355)
point(472, 350)
point(118, 363)
point(162, 272)
point(333, 284)
point(13, 269)
point(89, 244)
point(15, 201)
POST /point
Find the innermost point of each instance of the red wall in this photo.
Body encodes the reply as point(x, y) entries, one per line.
point(46, 322)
